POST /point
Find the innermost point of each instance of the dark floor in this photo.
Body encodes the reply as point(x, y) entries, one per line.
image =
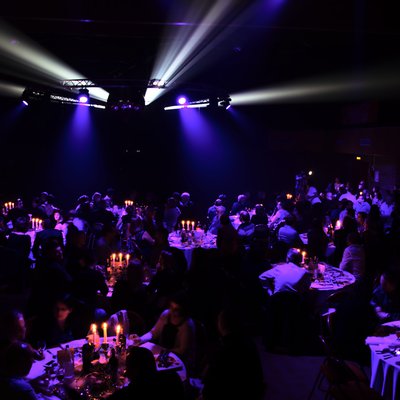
point(290, 377)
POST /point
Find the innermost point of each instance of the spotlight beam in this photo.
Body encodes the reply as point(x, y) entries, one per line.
point(11, 90)
point(36, 62)
point(185, 46)
point(372, 84)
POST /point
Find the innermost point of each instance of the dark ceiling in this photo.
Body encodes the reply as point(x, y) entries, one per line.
point(264, 42)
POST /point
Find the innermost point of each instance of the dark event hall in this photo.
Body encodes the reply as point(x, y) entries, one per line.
point(200, 200)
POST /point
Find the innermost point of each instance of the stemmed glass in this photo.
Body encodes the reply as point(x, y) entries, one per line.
point(41, 347)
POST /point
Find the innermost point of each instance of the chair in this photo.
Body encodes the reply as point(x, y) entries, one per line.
point(337, 372)
point(130, 321)
point(287, 323)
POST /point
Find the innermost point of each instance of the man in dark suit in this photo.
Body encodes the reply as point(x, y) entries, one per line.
point(47, 233)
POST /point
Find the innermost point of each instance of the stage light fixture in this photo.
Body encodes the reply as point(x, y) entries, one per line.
point(182, 100)
point(127, 100)
point(25, 103)
point(225, 103)
point(83, 95)
point(157, 83)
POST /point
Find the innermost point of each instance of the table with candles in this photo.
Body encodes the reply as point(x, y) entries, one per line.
point(116, 269)
point(190, 237)
point(94, 367)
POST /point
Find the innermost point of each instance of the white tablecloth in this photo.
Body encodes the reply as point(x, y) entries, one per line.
point(208, 241)
point(333, 279)
point(38, 370)
point(385, 373)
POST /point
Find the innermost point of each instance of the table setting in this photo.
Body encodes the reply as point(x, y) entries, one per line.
point(190, 238)
point(385, 360)
point(94, 367)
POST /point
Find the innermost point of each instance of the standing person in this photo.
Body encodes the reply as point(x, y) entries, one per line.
point(186, 206)
point(171, 214)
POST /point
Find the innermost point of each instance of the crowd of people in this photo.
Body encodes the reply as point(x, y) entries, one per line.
point(54, 281)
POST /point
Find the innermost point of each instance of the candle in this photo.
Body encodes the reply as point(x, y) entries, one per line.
point(192, 225)
point(118, 332)
point(303, 256)
point(183, 224)
point(105, 332)
point(120, 257)
point(113, 255)
point(188, 225)
point(338, 224)
point(127, 256)
point(96, 338)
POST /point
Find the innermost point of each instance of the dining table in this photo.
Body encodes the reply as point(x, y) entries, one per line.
point(385, 361)
point(326, 278)
point(195, 239)
point(50, 384)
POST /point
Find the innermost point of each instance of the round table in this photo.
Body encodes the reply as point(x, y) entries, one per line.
point(50, 355)
point(330, 280)
point(385, 364)
point(204, 241)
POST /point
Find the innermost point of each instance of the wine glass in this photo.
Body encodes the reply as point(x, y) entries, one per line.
point(41, 347)
point(60, 374)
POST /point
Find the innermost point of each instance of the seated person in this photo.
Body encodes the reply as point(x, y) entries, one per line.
point(14, 330)
point(280, 214)
point(288, 277)
point(246, 228)
point(215, 222)
point(353, 259)
point(288, 234)
point(48, 232)
point(235, 371)
point(145, 382)
point(19, 240)
point(386, 297)
point(167, 281)
point(174, 330)
point(239, 205)
point(130, 292)
point(15, 363)
point(260, 217)
point(213, 210)
point(61, 326)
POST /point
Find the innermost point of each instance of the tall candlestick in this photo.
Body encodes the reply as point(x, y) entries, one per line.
point(303, 256)
point(118, 332)
point(127, 256)
point(113, 255)
point(96, 338)
point(105, 332)
point(120, 258)
point(192, 225)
